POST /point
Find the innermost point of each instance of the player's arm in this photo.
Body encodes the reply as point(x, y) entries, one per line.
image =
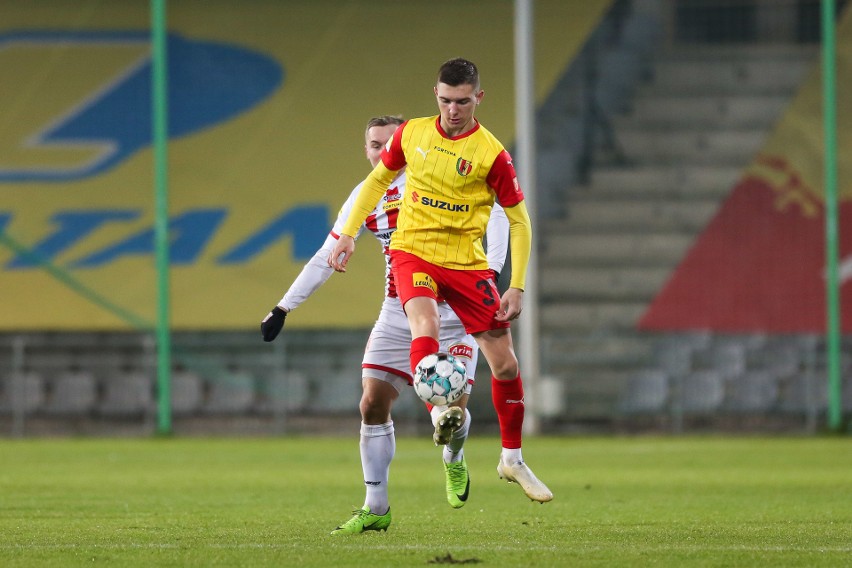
point(313, 275)
point(504, 181)
point(372, 190)
point(374, 187)
point(497, 239)
point(520, 241)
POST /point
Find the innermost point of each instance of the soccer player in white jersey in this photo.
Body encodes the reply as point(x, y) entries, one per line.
point(386, 364)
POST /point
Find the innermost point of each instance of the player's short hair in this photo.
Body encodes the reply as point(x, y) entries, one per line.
point(459, 71)
point(385, 120)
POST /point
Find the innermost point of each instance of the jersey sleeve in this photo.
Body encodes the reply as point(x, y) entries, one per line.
point(313, 275)
point(504, 181)
point(520, 240)
point(316, 271)
point(393, 157)
point(497, 238)
point(344, 212)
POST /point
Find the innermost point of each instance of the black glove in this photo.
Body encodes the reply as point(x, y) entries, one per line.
point(272, 324)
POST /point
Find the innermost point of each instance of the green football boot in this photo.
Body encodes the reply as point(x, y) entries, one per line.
point(447, 423)
point(458, 483)
point(364, 520)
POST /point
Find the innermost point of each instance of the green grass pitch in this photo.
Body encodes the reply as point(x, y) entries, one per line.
point(272, 502)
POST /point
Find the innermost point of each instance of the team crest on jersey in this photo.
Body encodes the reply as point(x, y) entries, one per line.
point(463, 167)
point(423, 280)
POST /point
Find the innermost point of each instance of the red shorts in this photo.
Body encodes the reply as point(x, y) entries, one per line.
point(472, 294)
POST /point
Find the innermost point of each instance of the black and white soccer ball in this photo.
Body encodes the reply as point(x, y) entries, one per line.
point(439, 379)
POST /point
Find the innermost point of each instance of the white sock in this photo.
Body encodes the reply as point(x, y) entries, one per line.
point(510, 456)
point(436, 412)
point(454, 451)
point(378, 445)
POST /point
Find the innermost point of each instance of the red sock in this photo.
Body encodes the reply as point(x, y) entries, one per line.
point(420, 347)
point(508, 398)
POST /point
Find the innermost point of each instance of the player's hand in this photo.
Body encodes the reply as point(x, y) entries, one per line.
point(343, 250)
point(511, 305)
point(273, 323)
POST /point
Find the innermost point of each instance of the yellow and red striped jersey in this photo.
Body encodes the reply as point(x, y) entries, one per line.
point(452, 184)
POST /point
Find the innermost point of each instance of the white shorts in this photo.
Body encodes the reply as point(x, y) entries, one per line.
point(387, 358)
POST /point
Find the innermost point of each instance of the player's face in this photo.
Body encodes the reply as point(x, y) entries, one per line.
point(377, 137)
point(457, 105)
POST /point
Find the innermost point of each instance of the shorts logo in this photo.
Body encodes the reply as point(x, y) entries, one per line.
point(423, 280)
point(461, 350)
point(463, 167)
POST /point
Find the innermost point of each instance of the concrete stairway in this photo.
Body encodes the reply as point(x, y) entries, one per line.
point(690, 132)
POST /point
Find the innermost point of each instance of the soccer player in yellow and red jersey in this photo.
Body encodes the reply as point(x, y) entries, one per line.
point(455, 171)
point(385, 367)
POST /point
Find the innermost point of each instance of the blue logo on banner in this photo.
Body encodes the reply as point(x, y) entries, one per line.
point(208, 84)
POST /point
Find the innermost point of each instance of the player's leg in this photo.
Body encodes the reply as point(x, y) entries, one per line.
point(418, 295)
point(424, 322)
point(507, 390)
point(474, 297)
point(417, 289)
point(451, 425)
point(378, 442)
point(383, 378)
point(378, 446)
point(447, 420)
point(507, 394)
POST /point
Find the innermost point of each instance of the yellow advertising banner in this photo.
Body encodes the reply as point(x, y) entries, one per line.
point(268, 102)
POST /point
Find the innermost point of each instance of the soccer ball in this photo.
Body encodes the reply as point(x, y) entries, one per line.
point(439, 379)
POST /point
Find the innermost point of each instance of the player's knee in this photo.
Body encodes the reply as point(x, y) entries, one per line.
point(375, 409)
point(425, 325)
point(505, 369)
point(422, 319)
